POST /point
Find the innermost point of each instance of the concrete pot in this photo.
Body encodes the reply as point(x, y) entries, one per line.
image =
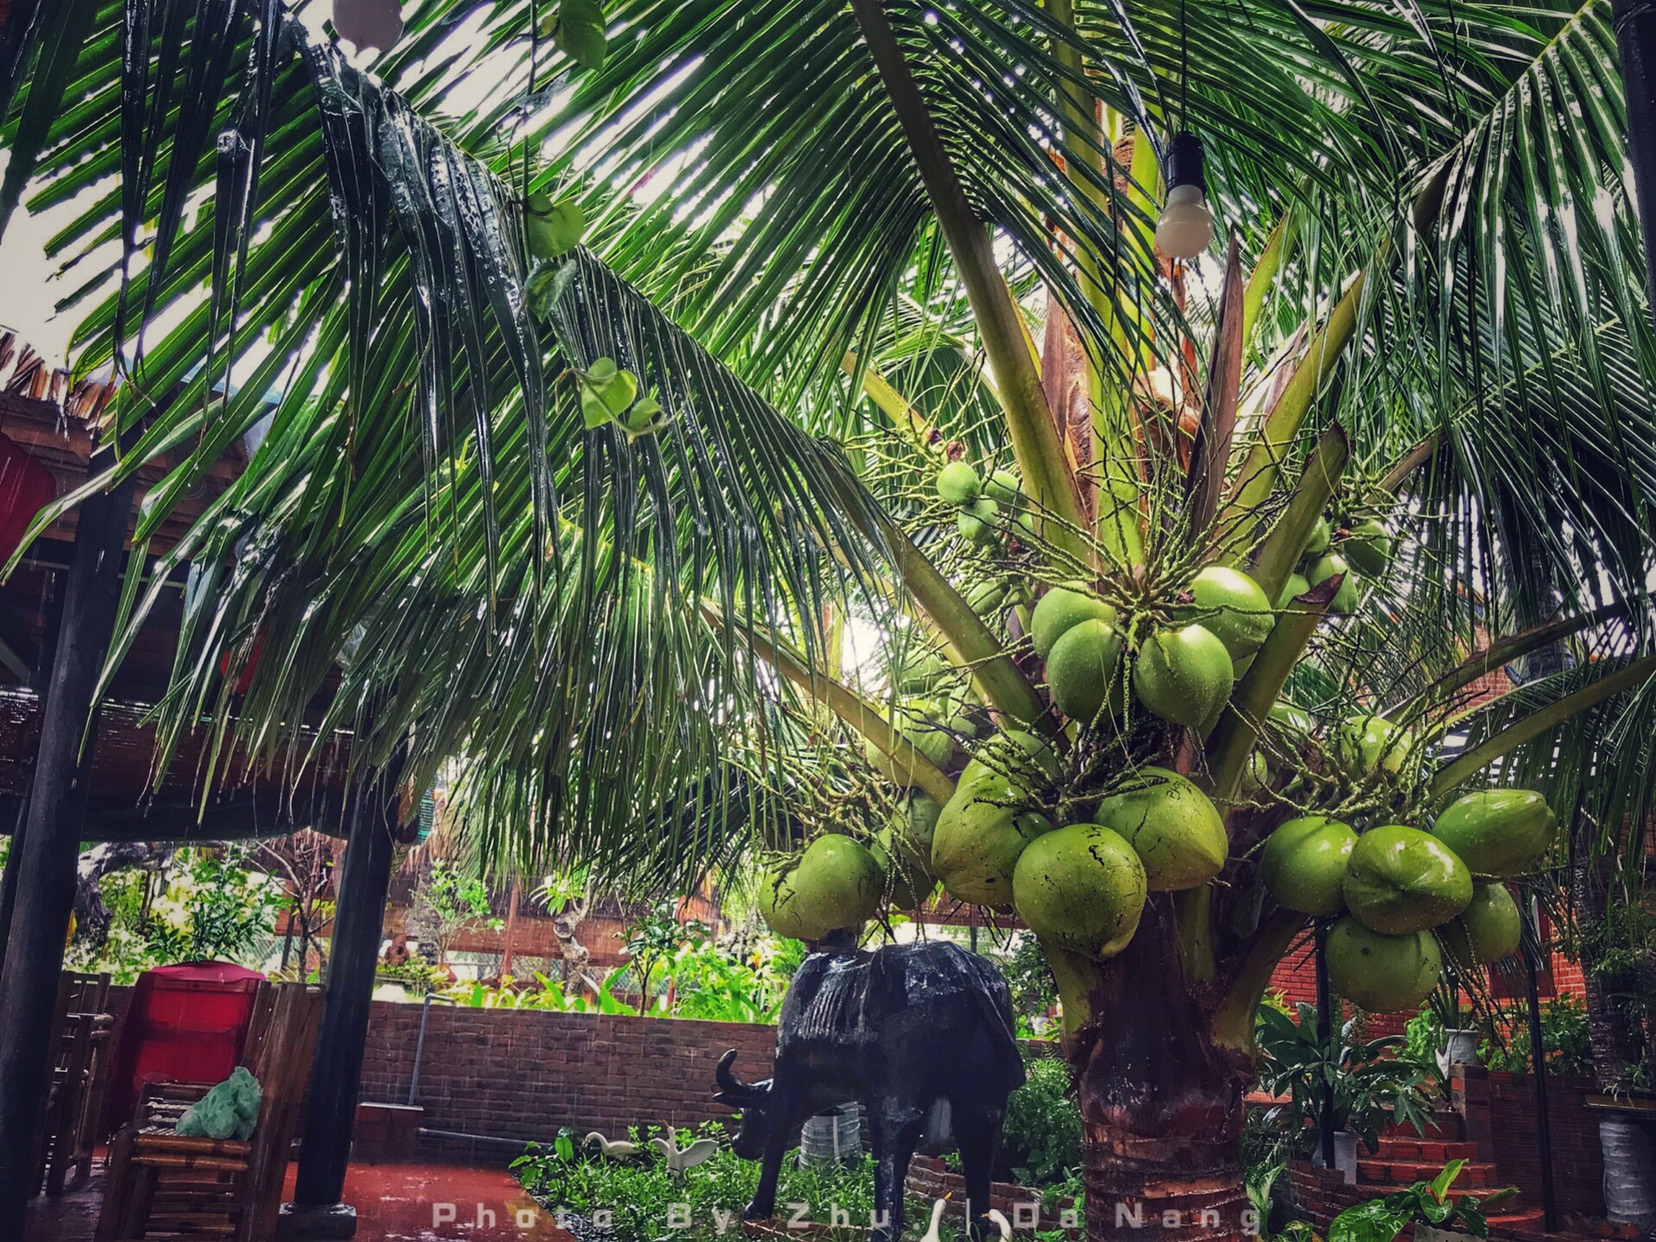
point(1345, 1156)
point(1629, 1171)
point(1431, 1233)
point(1459, 1048)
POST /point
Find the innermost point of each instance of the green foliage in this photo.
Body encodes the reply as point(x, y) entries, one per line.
point(549, 995)
point(1370, 1085)
point(710, 982)
point(1566, 1038)
point(639, 1191)
point(208, 907)
point(657, 936)
point(1041, 1137)
point(1424, 1203)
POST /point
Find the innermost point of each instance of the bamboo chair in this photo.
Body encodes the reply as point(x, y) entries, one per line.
point(74, 1098)
point(161, 1185)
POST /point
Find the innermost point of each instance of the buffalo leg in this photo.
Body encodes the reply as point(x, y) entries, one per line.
point(978, 1132)
point(896, 1137)
point(785, 1116)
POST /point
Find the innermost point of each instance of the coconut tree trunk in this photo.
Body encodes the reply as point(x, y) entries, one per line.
point(1161, 1104)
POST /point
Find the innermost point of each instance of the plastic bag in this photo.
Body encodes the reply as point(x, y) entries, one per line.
point(228, 1111)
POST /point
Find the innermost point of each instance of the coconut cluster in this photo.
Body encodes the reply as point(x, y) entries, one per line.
point(1360, 549)
point(1401, 896)
point(983, 505)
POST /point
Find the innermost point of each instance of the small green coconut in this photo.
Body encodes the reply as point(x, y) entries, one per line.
point(1290, 718)
point(1317, 542)
point(1233, 607)
point(980, 833)
point(912, 824)
point(958, 483)
point(1061, 610)
point(1183, 675)
point(1369, 744)
point(977, 520)
point(1487, 930)
point(1082, 888)
point(1325, 567)
point(1304, 864)
point(835, 883)
point(1084, 670)
point(1499, 833)
point(907, 886)
point(1003, 487)
point(1296, 586)
point(1172, 825)
point(1400, 880)
point(1381, 973)
point(1368, 548)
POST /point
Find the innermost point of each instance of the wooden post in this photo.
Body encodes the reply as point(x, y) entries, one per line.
point(45, 864)
point(1635, 23)
point(510, 934)
point(318, 1209)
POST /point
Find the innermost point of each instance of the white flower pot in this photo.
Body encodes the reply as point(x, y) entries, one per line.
point(1345, 1156)
point(1459, 1048)
point(1431, 1233)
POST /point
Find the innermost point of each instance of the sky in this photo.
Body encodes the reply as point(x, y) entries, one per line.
point(30, 293)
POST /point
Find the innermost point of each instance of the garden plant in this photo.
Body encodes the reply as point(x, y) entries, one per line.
point(908, 477)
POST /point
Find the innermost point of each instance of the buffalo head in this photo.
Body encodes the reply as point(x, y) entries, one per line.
point(751, 1098)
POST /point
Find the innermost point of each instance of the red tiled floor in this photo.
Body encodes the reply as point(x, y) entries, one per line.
point(394, 1203)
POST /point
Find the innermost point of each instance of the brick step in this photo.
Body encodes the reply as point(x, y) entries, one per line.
point(1395, 1147)
point(1446, 1127)
point(1407, 1172)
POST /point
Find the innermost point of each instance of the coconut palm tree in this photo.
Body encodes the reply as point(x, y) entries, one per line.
point(595, 525)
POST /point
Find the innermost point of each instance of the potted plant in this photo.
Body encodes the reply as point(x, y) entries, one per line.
point(1365, 1085)
point(1427, 1206)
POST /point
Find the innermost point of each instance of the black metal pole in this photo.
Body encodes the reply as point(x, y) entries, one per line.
point(8, 880)
point(1325, 1027)
point(45, 864)
point(1635, 22)
point(337, 1068)
point(1543, 1127)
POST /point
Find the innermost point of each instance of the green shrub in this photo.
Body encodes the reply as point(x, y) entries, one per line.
point(1565, 1037)
point(1041, 1140)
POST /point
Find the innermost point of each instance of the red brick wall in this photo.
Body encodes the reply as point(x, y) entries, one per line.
point(1500, 1117)
point(523, 1074)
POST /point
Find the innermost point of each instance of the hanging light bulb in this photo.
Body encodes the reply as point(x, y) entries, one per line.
point(1185, 229)
point(368, 24)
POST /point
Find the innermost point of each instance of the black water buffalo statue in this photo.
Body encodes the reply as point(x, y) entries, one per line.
point(900, 1030)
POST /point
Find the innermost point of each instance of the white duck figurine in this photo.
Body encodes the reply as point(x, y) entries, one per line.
point(681, 1158)
point(618, 1150)
point(1001, 1223)
point(933, 1233)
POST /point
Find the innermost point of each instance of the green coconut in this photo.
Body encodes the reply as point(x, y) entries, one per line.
point(1084, 670)
point(1400, 880)
point(1256, 773)
point(1487, 930)
point(906, 885)
point(922, 671)
point(1296, 586)
point(980, 833)
point(1231, 605)
point(1174, 827)
point(1325, 567)
point(919, 722)
point(835, 883)
point(976, 521)
point(1304, 864)
point(1317, 541)
point(1061, 610)
point(1381, 973)
point(912, 824)
point(1029, 759)
point(1287, 716)
point(958, 483)
point(1500, 833)
point(1003, 487)
point(1183, 675)
point(1368, 548)
point(1082, 888)
point(1369, 744)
